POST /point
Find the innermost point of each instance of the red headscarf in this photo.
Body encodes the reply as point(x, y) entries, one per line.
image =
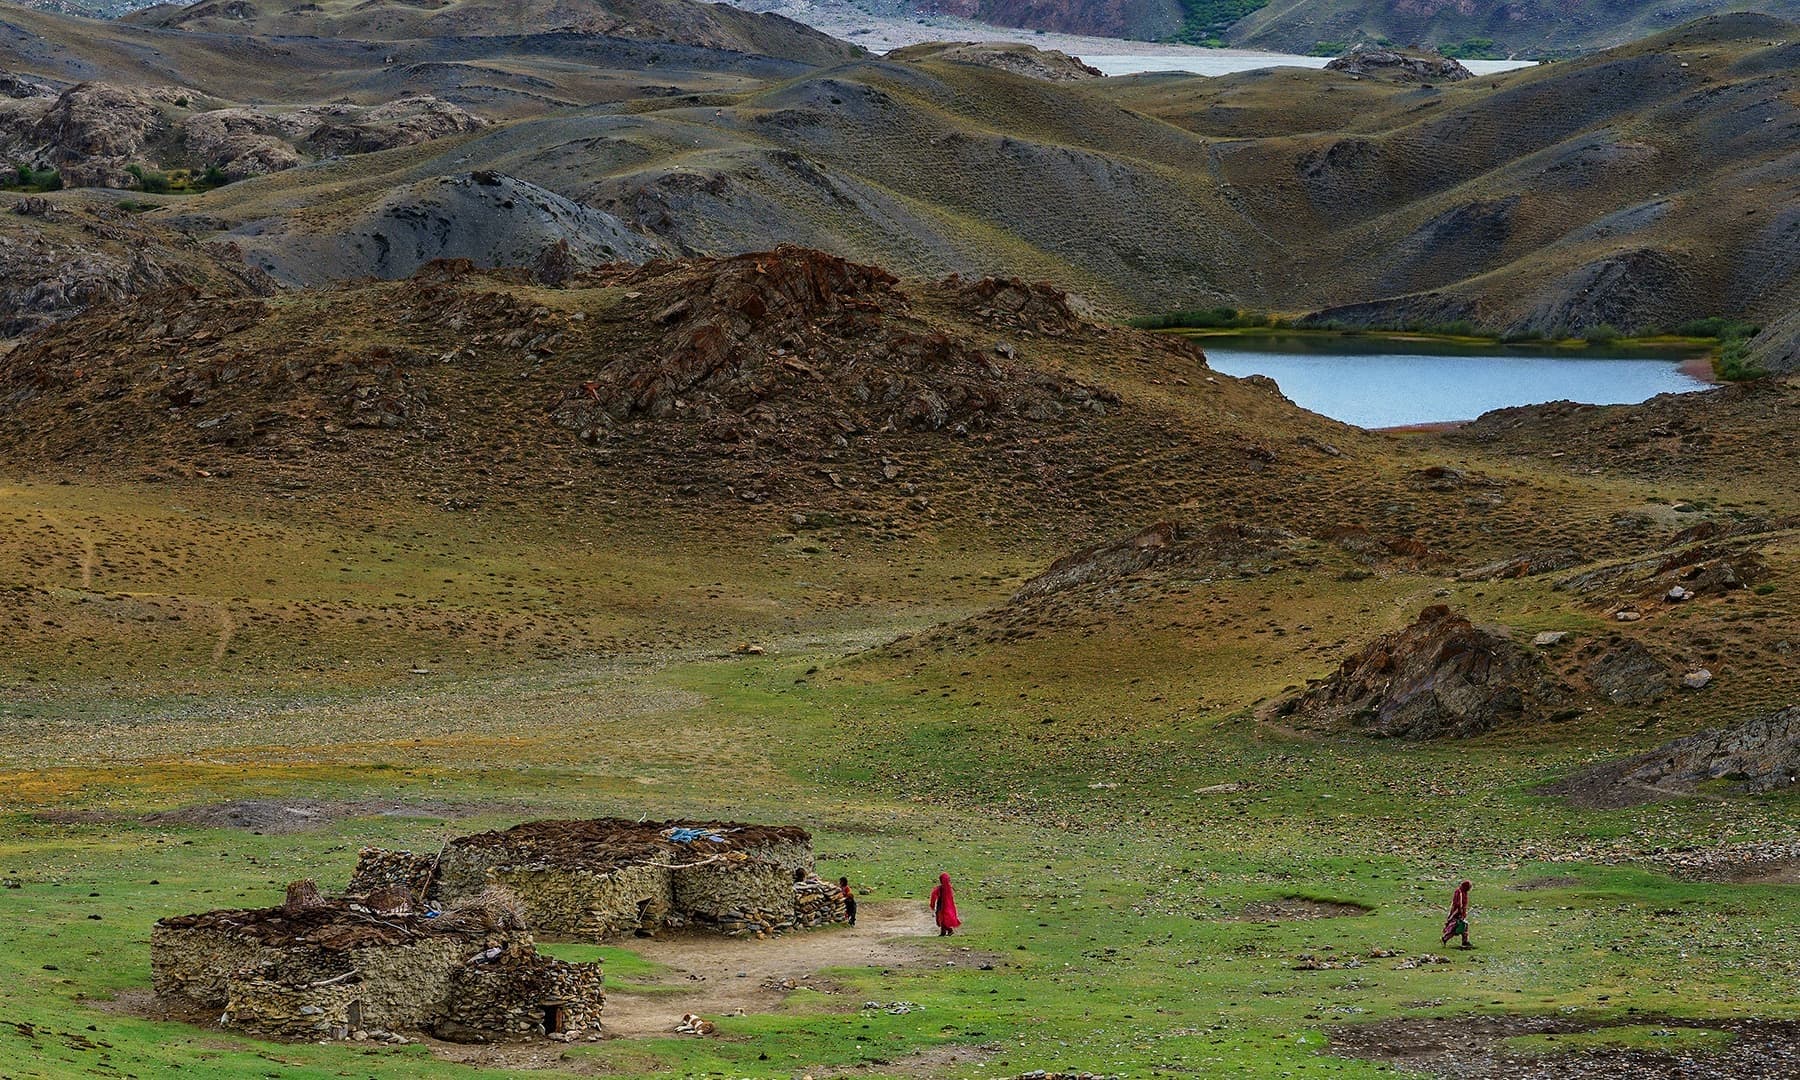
point(943, 904)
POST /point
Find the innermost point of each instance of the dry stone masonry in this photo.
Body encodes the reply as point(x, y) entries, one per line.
point(332, 968)
point(609, 877)
point(439, 942)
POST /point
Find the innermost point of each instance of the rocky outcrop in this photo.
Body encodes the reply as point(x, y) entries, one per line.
point(1050, 65)
point(796, 331)
point(1776, 348)
point(1440, 677)
point(487, 218)
point(1163, 544)
point(246, 141)
point(92, 131)
point(58, 259)
point(1761, 755)
point(1396, 65)
point(1623, 672)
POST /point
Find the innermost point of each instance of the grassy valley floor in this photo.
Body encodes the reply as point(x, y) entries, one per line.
point(1153, 882)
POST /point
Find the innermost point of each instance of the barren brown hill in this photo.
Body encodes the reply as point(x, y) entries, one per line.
point(59, 258)
point(1494, 27)
point(683, 22)
point(790, 380)
point(504, 74)
point(1638, 189)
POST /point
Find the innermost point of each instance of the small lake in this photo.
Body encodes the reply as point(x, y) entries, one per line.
point(1231, 61)
point(1378, 384)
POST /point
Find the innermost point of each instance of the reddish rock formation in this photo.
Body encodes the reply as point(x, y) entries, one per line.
point(1441, 676)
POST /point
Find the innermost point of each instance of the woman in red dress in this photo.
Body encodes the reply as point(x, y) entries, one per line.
point(943, 907)
point(1458, 922)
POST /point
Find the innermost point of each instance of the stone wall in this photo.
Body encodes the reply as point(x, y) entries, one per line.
point(523, 994)
point(408, 986)
point(736, 895)
point(567, 902)
point(396, 986)
point(330, 1011)
point(789, 854)
point(198, 964)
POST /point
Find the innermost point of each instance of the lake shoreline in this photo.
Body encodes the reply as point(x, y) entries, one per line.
point(1696, 356)
point(1421, 383)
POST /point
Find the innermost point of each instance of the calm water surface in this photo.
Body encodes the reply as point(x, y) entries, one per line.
point(1383, 384)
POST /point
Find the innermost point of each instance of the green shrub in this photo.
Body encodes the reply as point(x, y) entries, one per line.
point(1471, 49)
point(181, 103)
point(1765, 590)
point(1201, 319)
point(26, 178)
point(149, 180)
point(1604, 334)
point(1718, 326)
point(1204, 21)
point(1733, 364)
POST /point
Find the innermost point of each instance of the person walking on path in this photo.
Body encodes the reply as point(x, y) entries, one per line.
point(849, 896)
point(1458, 921)
point(943, 907)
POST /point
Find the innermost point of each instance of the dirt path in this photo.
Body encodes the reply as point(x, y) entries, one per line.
point(717, 976)
point(731, 976)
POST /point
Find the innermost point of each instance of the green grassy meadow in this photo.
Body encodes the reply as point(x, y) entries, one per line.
point(1104, 801)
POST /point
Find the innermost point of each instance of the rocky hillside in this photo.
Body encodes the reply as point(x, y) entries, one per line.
point(92, 133)
point(60, 258)
point(1625, 189)
point(526, 70)
point(791, 378)
point(1533, 28)
point(1149, 20)
point(489, 219)
point(1047, 64)
point(682, 22)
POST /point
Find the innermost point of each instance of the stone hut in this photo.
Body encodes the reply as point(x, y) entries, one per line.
point(329, 968)
point(607, 877)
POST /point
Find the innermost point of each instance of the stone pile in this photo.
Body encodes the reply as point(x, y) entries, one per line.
point(818, 903)
point(377, 868)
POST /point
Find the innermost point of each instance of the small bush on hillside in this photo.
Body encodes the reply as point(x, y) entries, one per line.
point(1202, 319)
point(1472, 49)
point(1734, 364)
point(1604, 334)
point(26, 178)
point(1718, 326)
point(149, 180)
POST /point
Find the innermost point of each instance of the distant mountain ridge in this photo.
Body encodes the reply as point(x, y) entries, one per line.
point(1499, 27)
point(685, 22)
